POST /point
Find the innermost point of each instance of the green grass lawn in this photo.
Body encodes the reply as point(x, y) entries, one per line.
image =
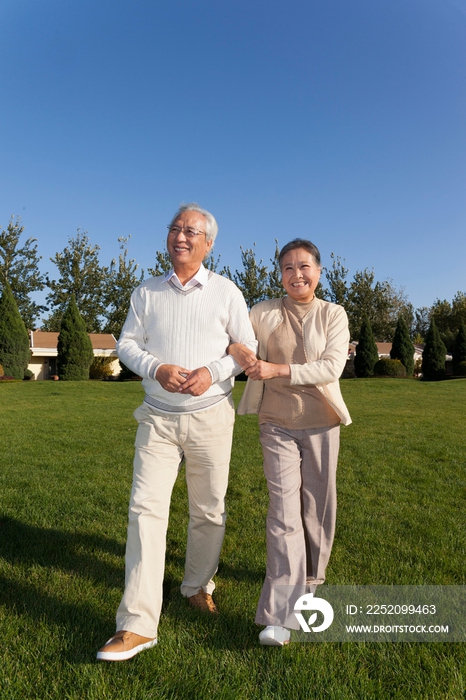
point(65, 479)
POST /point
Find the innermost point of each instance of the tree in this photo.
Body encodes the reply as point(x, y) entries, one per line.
point(336, 277)
point(211, 263)
point(81, 275)
point(441, 312)
point(381, 302)
point(163, 264)
point(19, 268)
point(14, 338)
point(254, 280)
point(402, 347)
point(274, 288)
point(75, 354)
point(407, 311)
point(459, 348)
point(433, 356)
point(458, 310)
point(360, 301)
point(366, 351)
point(122, 280)
point(421, 323)
point(448, 318)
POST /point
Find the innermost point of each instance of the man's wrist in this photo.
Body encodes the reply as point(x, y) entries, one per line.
point(213, 373)
point(154, 369)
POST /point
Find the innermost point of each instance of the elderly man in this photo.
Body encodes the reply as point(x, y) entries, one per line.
point(176, 337)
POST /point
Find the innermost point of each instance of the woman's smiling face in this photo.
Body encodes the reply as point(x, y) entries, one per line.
point(300, 275)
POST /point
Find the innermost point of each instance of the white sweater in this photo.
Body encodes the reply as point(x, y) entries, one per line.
point(191, 328)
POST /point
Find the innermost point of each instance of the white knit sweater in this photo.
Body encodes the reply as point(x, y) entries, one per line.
point(191, 328)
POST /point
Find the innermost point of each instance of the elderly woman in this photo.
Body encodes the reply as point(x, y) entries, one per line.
point(303, 346)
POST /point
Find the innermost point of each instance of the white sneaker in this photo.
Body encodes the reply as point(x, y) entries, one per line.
point(274, 636)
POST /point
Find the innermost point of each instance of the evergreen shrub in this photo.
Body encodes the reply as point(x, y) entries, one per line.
point(126, 374)
point(386, 367)
point(14, 338)
point(433, 355)
point(366, 351)
point(402, 346)
point(459, 349)
point(460, 369)
point(101, 368)
point(75, 353)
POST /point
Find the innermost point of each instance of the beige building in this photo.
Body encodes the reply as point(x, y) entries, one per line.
point(43, 362)
point(384, 350)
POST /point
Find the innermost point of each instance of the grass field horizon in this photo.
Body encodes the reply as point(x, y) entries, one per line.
point(65, 480)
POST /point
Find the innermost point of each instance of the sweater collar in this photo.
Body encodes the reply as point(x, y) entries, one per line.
point(200, 278)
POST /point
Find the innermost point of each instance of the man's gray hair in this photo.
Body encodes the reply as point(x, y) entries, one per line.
point(211, 223)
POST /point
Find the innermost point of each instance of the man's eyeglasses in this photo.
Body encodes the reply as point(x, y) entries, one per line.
point(189, 231)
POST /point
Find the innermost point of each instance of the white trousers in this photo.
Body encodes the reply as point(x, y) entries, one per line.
point(203, 440)
point(300, 467)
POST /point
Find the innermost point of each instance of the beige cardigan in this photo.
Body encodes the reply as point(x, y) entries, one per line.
point(326, 339)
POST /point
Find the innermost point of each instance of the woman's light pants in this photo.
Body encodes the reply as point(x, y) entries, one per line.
point(203, 440)
point(300, 467)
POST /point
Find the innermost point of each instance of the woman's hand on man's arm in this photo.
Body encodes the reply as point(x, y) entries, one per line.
point(267, 370)
point(254, 368)
point(243, 355)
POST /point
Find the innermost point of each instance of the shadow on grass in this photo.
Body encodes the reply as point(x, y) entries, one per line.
point(26, 549)
point(82, 556)
point(226, 631)
point(83, 626)
point(75, 552)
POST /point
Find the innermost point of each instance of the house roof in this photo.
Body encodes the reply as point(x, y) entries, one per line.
point(384, 348)
point(43, 339)
point(102, 341)
point(46, 340)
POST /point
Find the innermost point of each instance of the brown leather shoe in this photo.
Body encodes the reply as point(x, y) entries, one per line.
point(203, 601)
point(124, 645)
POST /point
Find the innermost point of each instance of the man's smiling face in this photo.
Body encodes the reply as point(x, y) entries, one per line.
point(188, 252)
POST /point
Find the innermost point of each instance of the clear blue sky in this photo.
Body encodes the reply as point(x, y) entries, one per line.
point(340, 121)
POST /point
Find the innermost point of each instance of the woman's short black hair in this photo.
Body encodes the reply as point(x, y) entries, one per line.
point(300, 243)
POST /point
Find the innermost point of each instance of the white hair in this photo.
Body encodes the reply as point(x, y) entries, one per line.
point(211, 223)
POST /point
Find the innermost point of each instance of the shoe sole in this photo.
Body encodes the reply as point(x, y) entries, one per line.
point(202, 605)
point(273, 643)
point(203, 610)
point(124, 655)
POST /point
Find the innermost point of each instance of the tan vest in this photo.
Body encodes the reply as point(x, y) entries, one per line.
point(297, 407)
point(326, 338)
